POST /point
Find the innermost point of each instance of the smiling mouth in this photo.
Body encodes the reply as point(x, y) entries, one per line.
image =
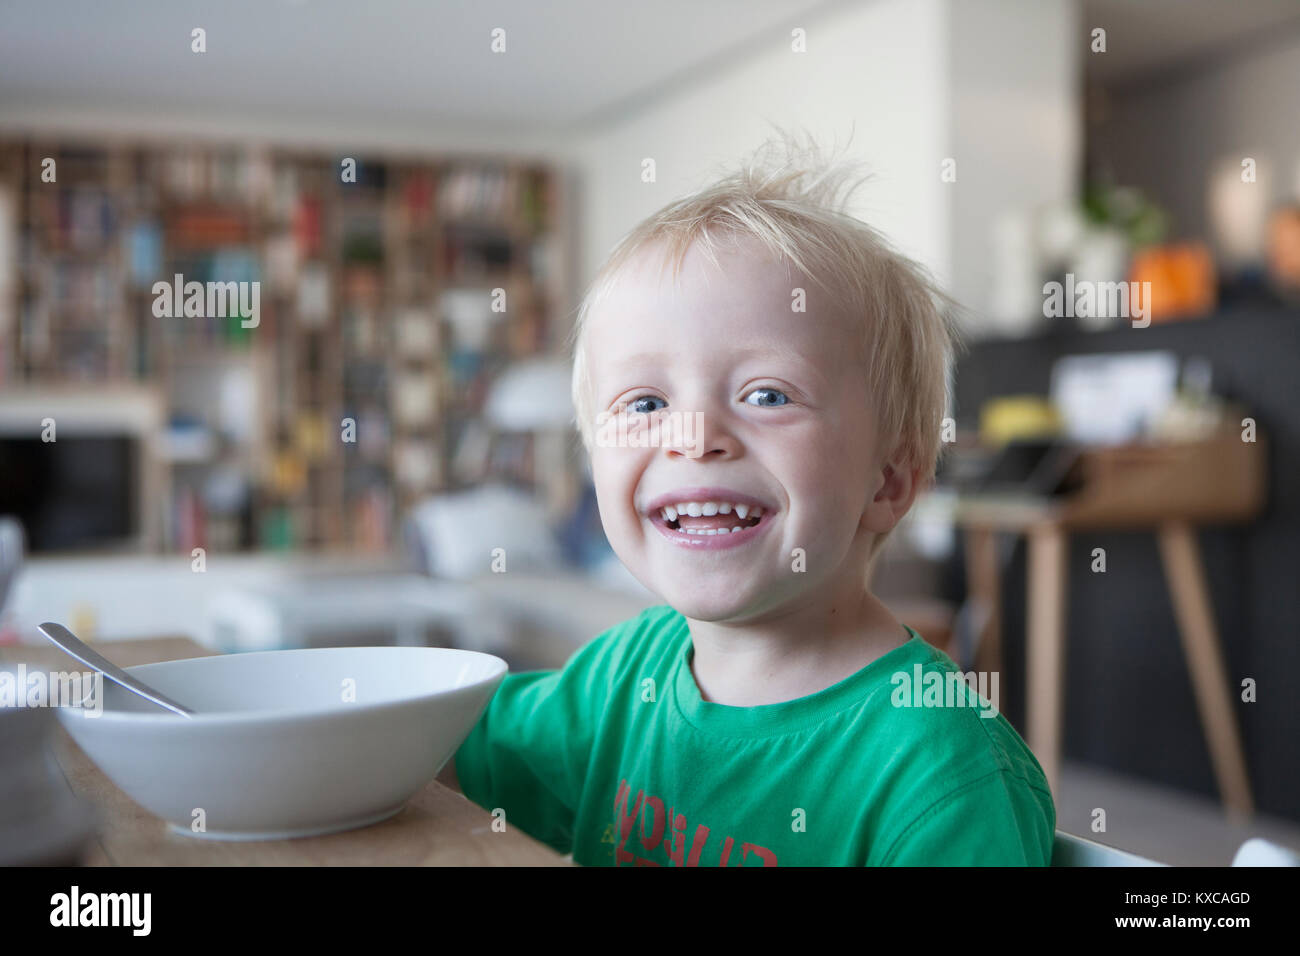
point(709, 519)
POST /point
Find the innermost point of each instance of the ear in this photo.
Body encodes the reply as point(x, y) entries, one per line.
point(894, 489)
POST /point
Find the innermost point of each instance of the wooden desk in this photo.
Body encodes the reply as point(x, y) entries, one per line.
point(1166, 489)
point(438, 826)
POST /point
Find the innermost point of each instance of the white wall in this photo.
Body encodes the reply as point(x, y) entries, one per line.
point(877, 69)
point(1017, 125)
point(993, 84)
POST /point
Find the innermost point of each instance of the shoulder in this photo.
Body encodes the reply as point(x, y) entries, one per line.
point(994, 820)
point(955, 714)
point(957, 748)
point(657, 631)
point(583, 685)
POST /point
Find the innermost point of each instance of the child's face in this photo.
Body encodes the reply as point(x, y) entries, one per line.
point(784, 420)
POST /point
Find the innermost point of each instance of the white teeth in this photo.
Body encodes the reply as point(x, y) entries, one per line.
point(707, 509)
point(711, 530)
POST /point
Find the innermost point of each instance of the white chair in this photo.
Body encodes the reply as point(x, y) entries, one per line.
point(1070, 850)
point(1257, 852)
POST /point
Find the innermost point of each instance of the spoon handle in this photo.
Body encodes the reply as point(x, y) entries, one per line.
point(73, 646)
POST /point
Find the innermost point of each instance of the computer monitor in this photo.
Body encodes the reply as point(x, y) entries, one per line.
point(73, 494)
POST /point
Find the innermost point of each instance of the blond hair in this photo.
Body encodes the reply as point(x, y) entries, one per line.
point(793, 202)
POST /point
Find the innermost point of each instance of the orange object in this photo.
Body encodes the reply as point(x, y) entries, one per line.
point(1284, 248)
point(1182, 280)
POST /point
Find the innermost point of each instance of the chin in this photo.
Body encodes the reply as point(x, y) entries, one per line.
point(703, 602)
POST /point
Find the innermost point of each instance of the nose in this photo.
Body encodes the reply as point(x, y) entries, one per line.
point(703, 434)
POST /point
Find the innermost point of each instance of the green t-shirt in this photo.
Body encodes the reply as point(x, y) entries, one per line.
point(618, 760)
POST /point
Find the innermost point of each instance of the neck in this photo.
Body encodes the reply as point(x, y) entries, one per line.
point(794, 652)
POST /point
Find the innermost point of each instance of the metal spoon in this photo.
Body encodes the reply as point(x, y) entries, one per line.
point(70, 643)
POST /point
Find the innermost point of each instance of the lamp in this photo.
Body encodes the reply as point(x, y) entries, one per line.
point(533, 396)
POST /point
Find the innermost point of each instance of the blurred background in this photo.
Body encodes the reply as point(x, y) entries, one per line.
point(386, 455)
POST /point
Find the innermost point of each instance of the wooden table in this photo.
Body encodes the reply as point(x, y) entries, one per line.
point(1169, 490)
point(438, 826)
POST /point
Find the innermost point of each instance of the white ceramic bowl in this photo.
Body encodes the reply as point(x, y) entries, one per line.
point(274, 749)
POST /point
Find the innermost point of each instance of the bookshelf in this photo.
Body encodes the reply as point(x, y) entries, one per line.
point(386, 307)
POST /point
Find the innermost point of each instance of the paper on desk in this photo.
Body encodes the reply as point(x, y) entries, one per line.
point(1112, 399)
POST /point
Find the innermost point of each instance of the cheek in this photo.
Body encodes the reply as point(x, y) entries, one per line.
point(614, 477)
point(826, 471)
point(815, 459)
point(605, 480)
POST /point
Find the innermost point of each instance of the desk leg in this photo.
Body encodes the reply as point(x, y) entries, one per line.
point(985, 587)
point(1045, 646)
point(1191, 599)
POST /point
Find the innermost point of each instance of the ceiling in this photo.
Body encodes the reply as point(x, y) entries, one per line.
point(1145, 38)
point(566, 63)
point(417, 64)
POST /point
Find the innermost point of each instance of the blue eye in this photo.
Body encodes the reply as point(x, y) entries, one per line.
point(637, 404)
point(768, 397)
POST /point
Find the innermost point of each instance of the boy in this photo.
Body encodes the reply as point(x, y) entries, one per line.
point(757, 424)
